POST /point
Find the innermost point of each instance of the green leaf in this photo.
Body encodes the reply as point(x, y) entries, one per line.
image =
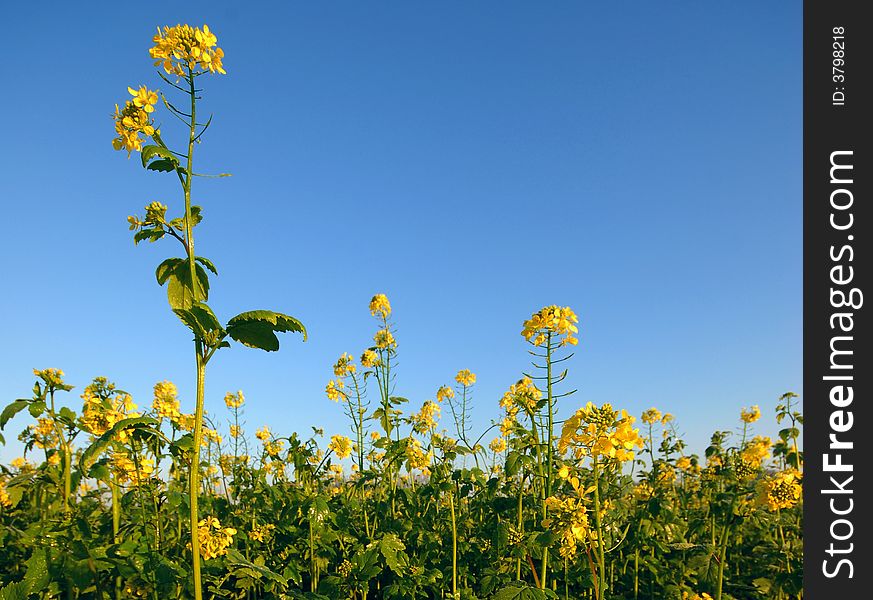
point(519, 591)
point(392, 549)
point(164, 165)
point(92, 452)
point(257, 328)
point(151, 151)
point(14, 591)
point(37, 576)
point(207, 263)
point(11, 410)
point(177, 274)
point(167, 268)
point(199, 318)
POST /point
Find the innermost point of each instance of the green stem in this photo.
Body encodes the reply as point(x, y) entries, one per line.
point(601, 560)
point(454, 546)
point(194, 481)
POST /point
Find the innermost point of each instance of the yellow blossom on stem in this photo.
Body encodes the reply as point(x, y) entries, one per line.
point(780, 491)
point(445, 393)
point(379, 306)
point(182, 48)
point(341, 446)
point(370, 359)
point(384, 339)
point(213, 538)
point(556, 320)
point(651, 416)
point(344, 365)
point(232, 400)
point(498, 445)
point(465, 377)
point(751, 415)
point(334, 390)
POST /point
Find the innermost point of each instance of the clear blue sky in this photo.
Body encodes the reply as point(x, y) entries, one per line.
point(475, 161)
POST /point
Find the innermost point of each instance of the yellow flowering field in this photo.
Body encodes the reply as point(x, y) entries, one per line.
point(121, 497)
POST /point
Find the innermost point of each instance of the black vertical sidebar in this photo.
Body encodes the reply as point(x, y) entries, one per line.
point(837, 68)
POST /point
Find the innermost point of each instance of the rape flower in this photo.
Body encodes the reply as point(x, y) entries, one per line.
point(344, 366)
point(498, 445)
point(44, 433)
point(426, 419)
point(780, 491)
point(52, 378)
point(667, 418)
point(416, 458)
point(131, 121)
point(334, 390)
point(600, 432)
point(380, 306)
point(261, 532)
point(651, 416)
point(274, 448)
point(445, 393)
point(232, 400)
point(757, 450)
point(183, 48)
point(213, 538)
point(507, 425)
point(21, 463)
point(551, 320)
point(568, 519)
point(341, 446)
point(127, 471)
point(166, 401)
point(521, 395)
point(465, 377)
point(384, 339)
point(144, 98)
point(235, 431)
point(5, 500)
point(370, 359)
point(263, 433)
point(751, 415)
point(683, 463)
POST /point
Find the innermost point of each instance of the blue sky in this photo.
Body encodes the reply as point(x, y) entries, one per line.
point(474, 161)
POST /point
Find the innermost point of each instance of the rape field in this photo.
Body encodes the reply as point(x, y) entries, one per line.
point(118, 497)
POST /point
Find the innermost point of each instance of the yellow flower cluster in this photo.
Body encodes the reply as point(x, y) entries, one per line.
point(134, 119)
point(214, 539)
point(751, 415)
point(683, 463)
point(551, 320)
point(44, 433)
point(643, 492)
point(426, 419)
point(126, 471)
point(370, 359)
point(384, 339)
point(273, 448)
point(379, 306)
point(263, 433)
point(5, 500)
point(262, 532)
point(445, 393)
point(568, 519)
point(600, 432)
point(693, 596)
point(651, 416)
point(465, 377)
point(521, 395)
point(166, 400)
point(341, 446)
point(99, 414)
point(232, 400)
point(757, 450)
point(344, 365)
point(334, 390)
point(183, 48)
point(235, 431)
point(780, 491)
point(498, 445)
point(51, 377)
point(416, 457)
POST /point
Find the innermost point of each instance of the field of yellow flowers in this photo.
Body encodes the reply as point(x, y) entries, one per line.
point(117, 497)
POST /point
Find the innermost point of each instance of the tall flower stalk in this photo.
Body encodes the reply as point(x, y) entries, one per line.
point(187, 53)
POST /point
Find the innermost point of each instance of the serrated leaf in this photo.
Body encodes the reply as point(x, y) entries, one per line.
point(11, 410)
point(199, 318)
point(164, 165)
point(151, 151)
point(207, 263)
point(257, 328)
point(392, 549)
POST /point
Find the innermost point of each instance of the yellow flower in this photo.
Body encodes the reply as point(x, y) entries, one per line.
point(44, 433)
point(344, 365)
point(166, 402)
point(521, 395)
point(130, 122)
point(274, 448)
point(416, 458)
point(127, 471)
point(370, 359)
point(334, 390)
point(261, 532)
point(375, 435)
point(384, 339)
point(600, 432)
point(445, 393)
point(232, 400)
point(780, 491)
point(667, 418)
point(341, 446)
point(235, 431)
point(213, 538)
point(683, 463)
point(51, 377)
point(55, 459)
point(263, 433)
point(551, 320)
point(183, 48)
point(465, 377)
point(144, 98)
point(5, 500)
point(651, 416)
point(751, 415)
point(568, 519)
point(497, 445)
point(380, 306)
point(426, 419)
point(757, 450)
